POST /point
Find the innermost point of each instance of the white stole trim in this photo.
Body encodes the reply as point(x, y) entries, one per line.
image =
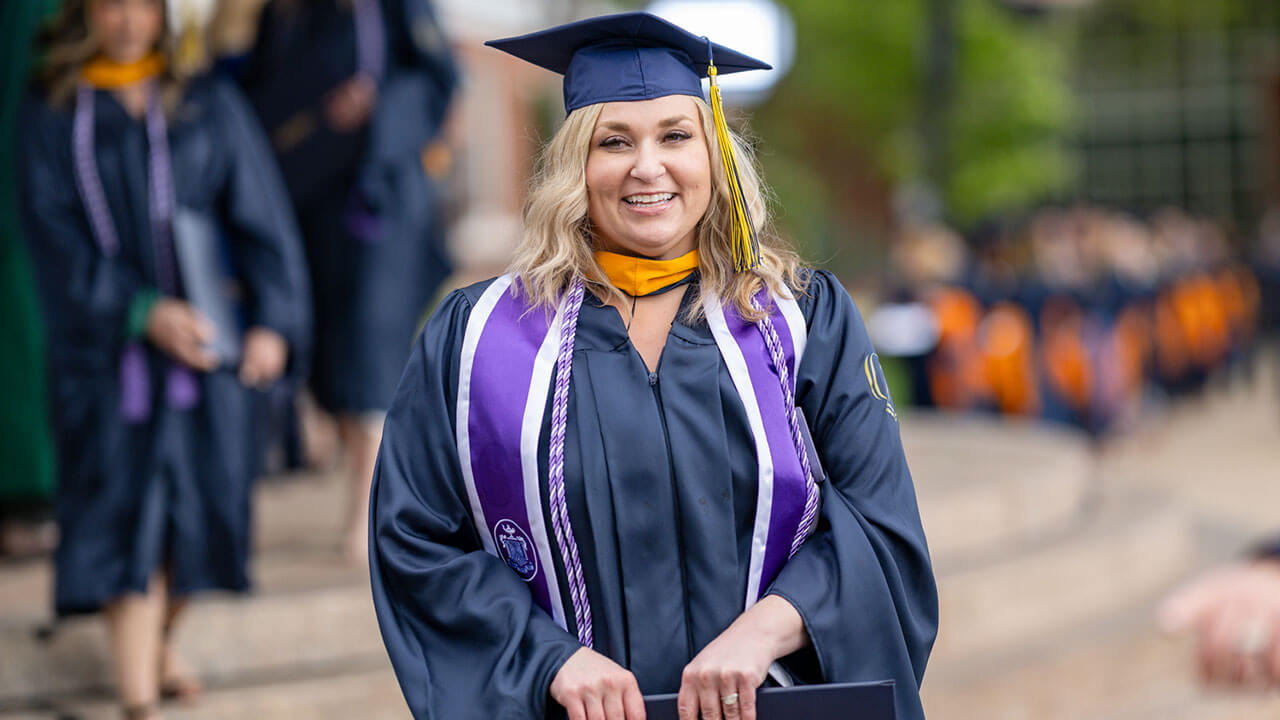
point(741, 377)
point(470, 340)
point(530, 430)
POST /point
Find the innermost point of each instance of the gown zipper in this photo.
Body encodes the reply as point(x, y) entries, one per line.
point(675, 498)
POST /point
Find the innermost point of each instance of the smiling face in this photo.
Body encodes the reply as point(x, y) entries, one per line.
point(126, 30)
point(648, 177)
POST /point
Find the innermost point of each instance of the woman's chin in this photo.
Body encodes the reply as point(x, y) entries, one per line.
point(125, 56)
point(663, 245)
point(662, 250)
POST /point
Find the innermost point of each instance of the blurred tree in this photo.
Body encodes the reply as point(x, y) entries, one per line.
point(873, 104)
point(26, 449)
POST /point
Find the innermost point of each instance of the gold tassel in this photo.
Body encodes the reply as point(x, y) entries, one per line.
point(746, 246)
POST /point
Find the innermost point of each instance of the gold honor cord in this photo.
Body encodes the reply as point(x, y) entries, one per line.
point(746, 245)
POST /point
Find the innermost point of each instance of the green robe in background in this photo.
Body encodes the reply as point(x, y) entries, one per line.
point(26, 451)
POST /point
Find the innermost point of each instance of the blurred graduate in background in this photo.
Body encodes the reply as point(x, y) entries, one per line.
point(352, 93)
point(147, 191)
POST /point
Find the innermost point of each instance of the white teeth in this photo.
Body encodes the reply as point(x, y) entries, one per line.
point(654, 199)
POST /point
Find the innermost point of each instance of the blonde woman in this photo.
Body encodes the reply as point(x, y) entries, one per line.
point(597, 481)
point(123, 159)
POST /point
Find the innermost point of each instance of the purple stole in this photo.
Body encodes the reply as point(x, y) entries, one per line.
point(509, 356)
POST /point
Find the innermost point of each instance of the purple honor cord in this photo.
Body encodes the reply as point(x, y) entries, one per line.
point(774, 343)
point(88, 180)
point(370, 43)
point(555, 471)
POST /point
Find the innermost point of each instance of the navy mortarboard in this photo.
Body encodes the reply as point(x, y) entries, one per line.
point(639, 56)
point(628, 56)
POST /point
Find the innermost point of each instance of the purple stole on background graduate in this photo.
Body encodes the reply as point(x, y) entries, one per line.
point(510, 356)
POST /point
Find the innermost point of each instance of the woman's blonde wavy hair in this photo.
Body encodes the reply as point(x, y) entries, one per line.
point(557, 243)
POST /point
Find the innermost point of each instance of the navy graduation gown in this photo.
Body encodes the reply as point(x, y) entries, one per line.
point(660, 480)
point(371, 220)
point(173, 490)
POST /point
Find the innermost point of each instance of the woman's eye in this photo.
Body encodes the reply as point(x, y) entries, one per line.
point(612, 142)
point(677, 135)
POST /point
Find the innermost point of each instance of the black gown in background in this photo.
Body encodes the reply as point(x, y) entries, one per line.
point(171, 491)
point(660, 477)
point(371, 220)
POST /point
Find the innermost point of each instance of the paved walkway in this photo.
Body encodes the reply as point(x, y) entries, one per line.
point(1066, 616)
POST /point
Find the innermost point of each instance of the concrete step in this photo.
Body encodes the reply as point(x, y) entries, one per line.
point(300, 511)
point(986, 483)
point(369, 694)
point(1128, 548)
point(293, 515)
point(311, 612)
point(1121, 668)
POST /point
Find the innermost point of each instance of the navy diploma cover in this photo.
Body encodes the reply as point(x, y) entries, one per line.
point(836, 701)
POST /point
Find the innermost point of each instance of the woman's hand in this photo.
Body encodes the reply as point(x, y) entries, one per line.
point(721, 681)
point(590, 686)
point(181, 332)
point(264, 357)
point(349, 105)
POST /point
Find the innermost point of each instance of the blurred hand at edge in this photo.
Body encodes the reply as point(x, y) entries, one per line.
point(265, 354)
point(1234, 613)
point(348, 106)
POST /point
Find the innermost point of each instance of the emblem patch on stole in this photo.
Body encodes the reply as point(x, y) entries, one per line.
point(516, 549)
point(878, 383)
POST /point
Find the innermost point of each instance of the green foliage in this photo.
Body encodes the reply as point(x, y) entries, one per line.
point(855, 70)
point(852, 108)
point(1011, 113)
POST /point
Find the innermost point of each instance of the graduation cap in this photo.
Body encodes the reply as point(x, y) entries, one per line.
point(627, 56)
point(639, 56)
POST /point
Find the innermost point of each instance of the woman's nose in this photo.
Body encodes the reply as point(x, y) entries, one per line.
point(648, 166)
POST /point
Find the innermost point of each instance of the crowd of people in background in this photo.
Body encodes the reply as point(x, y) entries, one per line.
point(1077, 315)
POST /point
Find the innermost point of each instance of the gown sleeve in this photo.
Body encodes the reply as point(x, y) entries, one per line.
point(463, 632)
point(260, 224)
point(86, 294)
point(863, 581)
